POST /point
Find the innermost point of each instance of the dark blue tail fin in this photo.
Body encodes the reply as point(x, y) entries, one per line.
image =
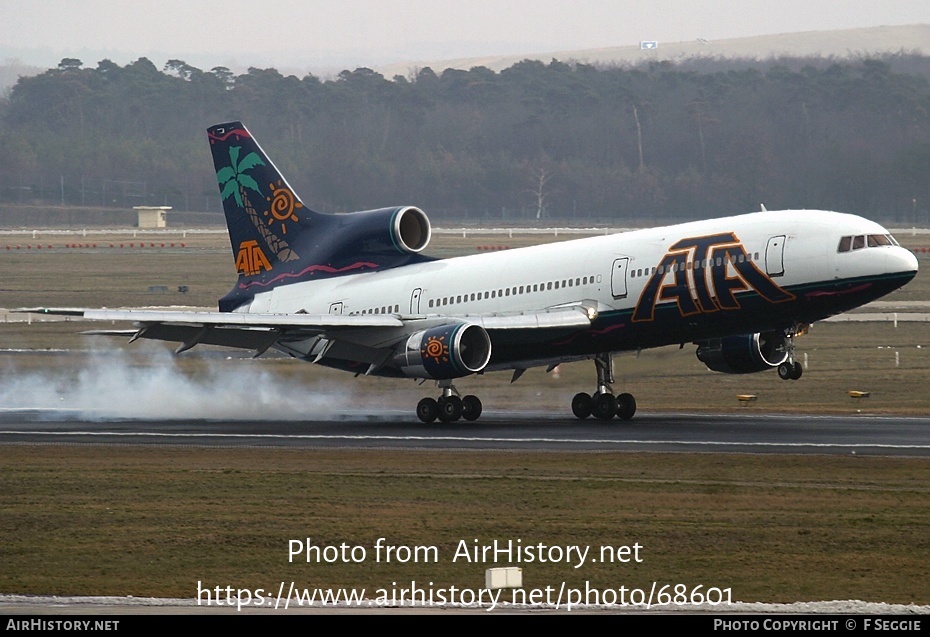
point(276, 240)
point(264, 216)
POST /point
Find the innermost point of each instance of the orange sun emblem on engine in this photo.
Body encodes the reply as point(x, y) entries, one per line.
point(436, 349)
point(283, 204)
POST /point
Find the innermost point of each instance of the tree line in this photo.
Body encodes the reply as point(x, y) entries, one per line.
point(561, 141)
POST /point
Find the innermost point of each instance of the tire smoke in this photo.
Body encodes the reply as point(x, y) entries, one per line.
point(150, 383)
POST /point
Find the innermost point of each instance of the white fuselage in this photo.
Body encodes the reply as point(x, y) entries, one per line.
point(791, 247)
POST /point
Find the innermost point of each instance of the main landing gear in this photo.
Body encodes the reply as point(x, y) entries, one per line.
point(450, 407)
point(603, 404)
point(792, 369)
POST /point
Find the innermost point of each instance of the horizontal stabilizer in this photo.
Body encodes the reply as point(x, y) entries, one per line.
point(127, 333)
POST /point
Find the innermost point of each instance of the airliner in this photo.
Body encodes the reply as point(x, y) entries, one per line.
point(355, 292)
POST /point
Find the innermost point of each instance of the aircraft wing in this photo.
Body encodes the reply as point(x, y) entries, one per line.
point(373, 332)
point(218, 319)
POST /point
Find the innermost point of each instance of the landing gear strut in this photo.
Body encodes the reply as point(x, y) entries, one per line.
point(603, 404)
point(792, 369)
point(450, 407)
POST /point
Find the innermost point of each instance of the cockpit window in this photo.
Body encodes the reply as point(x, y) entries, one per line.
point(858, 242)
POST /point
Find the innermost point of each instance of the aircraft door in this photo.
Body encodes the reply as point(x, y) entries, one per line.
point(415, 301)
point(335, 308)
point(775, 256)
point(618, 277)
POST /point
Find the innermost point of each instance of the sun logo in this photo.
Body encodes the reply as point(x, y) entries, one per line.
point(282, 206)
point(436, 349)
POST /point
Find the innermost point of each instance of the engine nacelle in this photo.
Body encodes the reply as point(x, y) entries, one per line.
point(744, 354)
point(410, 229)
point(404, 230)
point(447, 351)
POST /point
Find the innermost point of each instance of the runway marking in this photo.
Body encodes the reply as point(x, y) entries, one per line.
point(440, 438)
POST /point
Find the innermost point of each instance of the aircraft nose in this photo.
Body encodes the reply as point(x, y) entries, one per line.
point(904, 261)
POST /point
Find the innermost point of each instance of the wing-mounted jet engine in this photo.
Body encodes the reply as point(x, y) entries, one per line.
point(750, 353)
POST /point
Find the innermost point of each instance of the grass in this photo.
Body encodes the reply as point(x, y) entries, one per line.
point(155, 521)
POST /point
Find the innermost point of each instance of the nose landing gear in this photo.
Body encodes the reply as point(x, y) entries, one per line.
point(792, 369)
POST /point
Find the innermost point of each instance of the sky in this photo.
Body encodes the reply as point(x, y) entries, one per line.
point(327, 34)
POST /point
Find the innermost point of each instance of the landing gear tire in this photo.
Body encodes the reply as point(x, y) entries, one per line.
point(471, 407)
point(450, 408)
point(427, 410)
point(605, 406)
point(785, 371)
point(626, 406)
point(582, 405)
point(790, 370)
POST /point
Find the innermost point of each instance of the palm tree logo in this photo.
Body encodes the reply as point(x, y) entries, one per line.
point(233, 178)
point(235, 182)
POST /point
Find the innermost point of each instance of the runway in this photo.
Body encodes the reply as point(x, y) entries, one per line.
point(498, 431)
